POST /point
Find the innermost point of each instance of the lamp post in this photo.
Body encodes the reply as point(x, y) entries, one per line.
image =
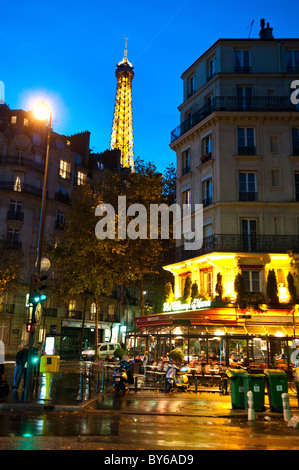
point(42, 112)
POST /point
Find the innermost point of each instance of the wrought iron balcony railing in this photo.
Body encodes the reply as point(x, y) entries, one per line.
point(247, 196)
point(20, 187)
point(233, 104)
point(15, 215)
point(235, 243)
point(23, 161)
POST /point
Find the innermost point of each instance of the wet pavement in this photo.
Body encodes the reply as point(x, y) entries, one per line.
point(145, 418)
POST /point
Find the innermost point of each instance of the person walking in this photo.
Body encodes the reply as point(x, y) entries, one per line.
point(21, 361)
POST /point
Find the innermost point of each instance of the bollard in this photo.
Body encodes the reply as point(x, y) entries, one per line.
point(136, 383)
point(97, 386)
point(195, 385)
point(286, 407)
point(251, 412)
point(103, 378)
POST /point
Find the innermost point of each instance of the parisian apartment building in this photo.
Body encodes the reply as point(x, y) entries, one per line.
point(23, 142)
point(237, 153)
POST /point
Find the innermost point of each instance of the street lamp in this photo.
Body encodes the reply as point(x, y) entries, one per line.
point(42, 112)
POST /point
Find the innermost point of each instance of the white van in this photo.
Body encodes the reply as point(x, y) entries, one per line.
point(104, 350)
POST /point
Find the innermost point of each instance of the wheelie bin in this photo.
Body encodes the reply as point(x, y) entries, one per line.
point(236, 378)
point(277, 384)
point(255, 383)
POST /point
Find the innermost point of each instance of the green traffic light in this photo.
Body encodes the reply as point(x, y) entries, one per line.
point(43, 297)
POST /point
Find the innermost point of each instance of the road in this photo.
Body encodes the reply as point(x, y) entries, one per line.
point(148, 420)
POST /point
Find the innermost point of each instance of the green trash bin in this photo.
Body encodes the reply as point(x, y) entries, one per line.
point(236, 378)
point(277, 384)
point(255, 383)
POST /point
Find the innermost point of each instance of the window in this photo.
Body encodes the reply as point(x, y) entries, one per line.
point(252, 280)
point(295, 141)
point(246, 141)
point(186, 198)
point(207, 196)
point(13, 120)
point(81, 178)
point(26, 122)
point(248, 230)
point(36, 138)
point(206, 148)
point(297, 186)
point(15, 211)
point(186, 161)
point(72, 305)
point(242, 61)
point(244, 97)
point(191, 86)
point(17, 184)
point(60, 220)
point(292, 61)
point(12, 236)
point(211, 67)
point(64, 169)
point(247, 187)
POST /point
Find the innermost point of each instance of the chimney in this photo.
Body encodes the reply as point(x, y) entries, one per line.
point(266, 33)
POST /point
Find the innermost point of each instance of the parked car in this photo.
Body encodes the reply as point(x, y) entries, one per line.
point(104, 350)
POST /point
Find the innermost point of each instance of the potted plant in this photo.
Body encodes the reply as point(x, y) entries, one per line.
point(272, 289)
point(219, 287)
point(240, 289)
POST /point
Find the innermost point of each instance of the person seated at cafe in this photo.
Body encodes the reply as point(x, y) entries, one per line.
point(232, 360)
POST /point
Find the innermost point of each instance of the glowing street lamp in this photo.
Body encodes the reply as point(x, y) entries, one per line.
point(42, 112)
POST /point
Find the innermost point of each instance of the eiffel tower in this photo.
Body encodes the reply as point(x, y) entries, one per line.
point(122, 129)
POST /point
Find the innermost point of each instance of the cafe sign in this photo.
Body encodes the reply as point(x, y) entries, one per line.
point(177, 306)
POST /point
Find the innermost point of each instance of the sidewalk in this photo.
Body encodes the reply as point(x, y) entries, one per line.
point(143, 397)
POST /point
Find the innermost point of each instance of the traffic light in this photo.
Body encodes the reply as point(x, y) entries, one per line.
point(28, 327)
point(37, 288)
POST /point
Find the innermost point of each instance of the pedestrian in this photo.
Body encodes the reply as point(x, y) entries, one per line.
point(21, 361)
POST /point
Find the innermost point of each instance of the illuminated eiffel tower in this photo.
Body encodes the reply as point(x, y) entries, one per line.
point(122, 129)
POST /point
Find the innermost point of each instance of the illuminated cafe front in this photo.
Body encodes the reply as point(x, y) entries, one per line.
point(212, 333)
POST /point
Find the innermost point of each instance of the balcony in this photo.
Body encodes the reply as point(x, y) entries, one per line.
point(21, 188)
point(22, 161)
point(247, 150)
point(236, 243)
point(7, 308)
point(234, 104)
point(247, 196)
point(207, 201)
point(186, 170)
point(244, 69)
point(15, 215)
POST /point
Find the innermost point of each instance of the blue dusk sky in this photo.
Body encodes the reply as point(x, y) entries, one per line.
point(66, 52)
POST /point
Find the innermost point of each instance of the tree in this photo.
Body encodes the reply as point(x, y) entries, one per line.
point(11, 267)
point(194, 291)
point(82, 263)
point(139, 254)
point(187, 289)
point(292, 288)
point(272, 289)
point(219, 286)
point(168, 292)
point(240, 289)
